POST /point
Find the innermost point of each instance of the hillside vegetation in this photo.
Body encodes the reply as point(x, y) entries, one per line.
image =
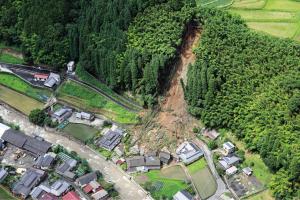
point(248, 83)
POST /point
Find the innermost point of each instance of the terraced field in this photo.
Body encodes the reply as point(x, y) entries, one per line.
point(280, 18)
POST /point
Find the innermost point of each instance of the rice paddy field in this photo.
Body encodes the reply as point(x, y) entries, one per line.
point(81, 132)
point(21, 86)
point(19, 101)
point(279, 18)
point(164, 183)
point(84, 98)
point(7, 58)
point(202, 178)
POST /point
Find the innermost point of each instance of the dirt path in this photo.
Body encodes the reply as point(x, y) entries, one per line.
point(172, 124)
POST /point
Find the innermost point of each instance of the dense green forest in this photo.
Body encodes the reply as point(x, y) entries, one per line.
point(249, 83)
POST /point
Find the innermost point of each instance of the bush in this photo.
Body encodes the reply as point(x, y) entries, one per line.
point(212, 145)
point(195, 130)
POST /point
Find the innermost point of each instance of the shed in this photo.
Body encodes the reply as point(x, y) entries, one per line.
point(248, 171)
point(232, 170)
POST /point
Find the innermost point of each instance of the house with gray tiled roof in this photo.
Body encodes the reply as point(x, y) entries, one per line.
point(189, 152)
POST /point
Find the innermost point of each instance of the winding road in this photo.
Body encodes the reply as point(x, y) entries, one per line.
point(127, 188)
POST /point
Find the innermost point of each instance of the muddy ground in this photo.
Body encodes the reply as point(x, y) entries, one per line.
point(171, 123)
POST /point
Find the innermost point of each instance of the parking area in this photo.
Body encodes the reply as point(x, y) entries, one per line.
point(16, 157)
point(244, 185)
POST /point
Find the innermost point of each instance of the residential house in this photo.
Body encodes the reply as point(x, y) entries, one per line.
point(91, 187)
point(53, 79)
point(232, 170)
point(164, 157)
point(3, 128)
point(86, 179)
point(228, 148)
point(189, 152)
point(48, 196)
point(28, 181)
point(183, 195)
point(109, 140)
point(65, 168)
point(3, 174)
point(61, 114)
point(120, 149)
point(57, 188)
point(142, 164)
point(40, 77)
point(72, 195)
point(212, 134)
point(248, 171)
point(30, 144)
point(100, 195)
point(227, 162)
point(37, 193)
point(85, 115)
point(45, 161)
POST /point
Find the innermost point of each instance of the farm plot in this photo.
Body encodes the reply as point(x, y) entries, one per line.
point(7, 58)
point(164, 183)
point(202, 179)
point(19, 101)
point(21, 86)
point(81, 132)
point(84, 98)
point(279, 18)
point(214, 3)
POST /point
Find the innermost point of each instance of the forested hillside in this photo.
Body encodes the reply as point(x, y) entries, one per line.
point(40, 27)
point(249, 83)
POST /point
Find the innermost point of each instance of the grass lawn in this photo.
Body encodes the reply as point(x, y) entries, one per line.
point(82, 97)
point(202, 178)
point(80, 131)
point(279, 18)
point(161, 186)
point(19, 101)
point(5, 195)
point(7, 58)
point(21, 86)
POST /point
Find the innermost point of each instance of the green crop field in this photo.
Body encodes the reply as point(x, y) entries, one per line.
point(162, 185)
point(279, 18)
point(202, 178)
point(21, 86)
point(80, 131)
point(19, 101)
point(82, 97)
point(5, 195)
point(214, 3)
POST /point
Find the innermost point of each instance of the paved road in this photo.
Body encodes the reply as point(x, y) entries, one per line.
point(221, 187)
point(128, 189)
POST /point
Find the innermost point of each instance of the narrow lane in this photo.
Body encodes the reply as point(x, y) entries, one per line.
point(127, 189)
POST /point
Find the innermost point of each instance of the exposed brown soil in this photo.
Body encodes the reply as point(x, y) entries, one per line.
point(172, 123)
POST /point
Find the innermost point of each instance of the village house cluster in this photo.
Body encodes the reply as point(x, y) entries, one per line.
point(40, 174)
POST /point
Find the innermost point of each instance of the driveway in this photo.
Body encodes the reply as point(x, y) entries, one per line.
point(127, 189)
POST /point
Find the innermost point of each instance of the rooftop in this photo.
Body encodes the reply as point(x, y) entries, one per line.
point(71, 196)
point(28, 143)
point(86, 179)
point(110, 140)
point(183, 195)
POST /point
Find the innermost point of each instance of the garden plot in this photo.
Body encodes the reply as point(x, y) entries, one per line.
point(202, 178)
point(249, 4)
point(81, 132)
point(244, 185)
point(164, 183)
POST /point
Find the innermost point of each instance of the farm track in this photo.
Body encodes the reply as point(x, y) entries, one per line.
point(101, 92)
